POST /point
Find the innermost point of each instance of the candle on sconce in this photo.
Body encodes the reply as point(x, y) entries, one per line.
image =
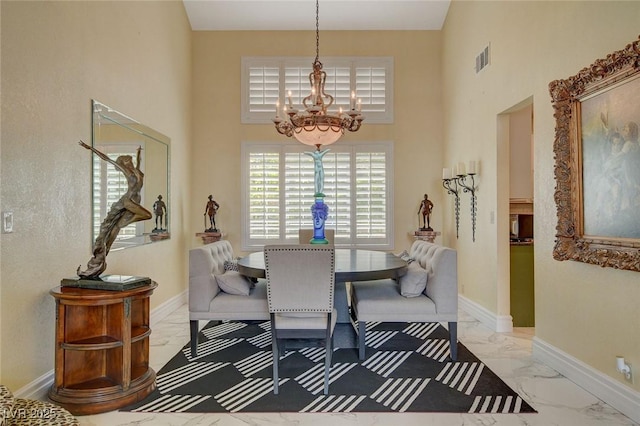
point(277, 108)
point(472, 167)
point(446, 173)
point(359, 105)
point(290, 103)
point(461, 169)
point(353, 99)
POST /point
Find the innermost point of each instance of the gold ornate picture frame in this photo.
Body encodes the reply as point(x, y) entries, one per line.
point(597, 162)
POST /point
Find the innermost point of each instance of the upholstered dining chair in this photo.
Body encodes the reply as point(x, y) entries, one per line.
point(305, 235)
point(300, 286)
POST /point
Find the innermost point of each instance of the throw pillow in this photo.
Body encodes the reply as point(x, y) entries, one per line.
point(413, 283)
point(405, 256)
point(231, 282)
point(231, 265)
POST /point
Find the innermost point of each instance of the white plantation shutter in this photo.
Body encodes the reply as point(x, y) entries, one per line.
point(371, 189)
point(298, 193)
point(267, 80)
point(296, 80)
point(280, 192)
point(264, 86)
point(371, 89)
point(264, 195)
point(338, 85)
point(338, 191)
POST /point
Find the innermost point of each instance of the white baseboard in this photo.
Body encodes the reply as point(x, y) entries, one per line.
point(497, 323)
point(39, 388)
point(613, 392)
point(161, 312)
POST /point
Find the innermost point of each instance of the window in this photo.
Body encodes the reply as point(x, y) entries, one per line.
point(268, 80)
point(278, 189)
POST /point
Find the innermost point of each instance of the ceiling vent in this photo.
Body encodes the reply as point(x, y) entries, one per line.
point(482, 60)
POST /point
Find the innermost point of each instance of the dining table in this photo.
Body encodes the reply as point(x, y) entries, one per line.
point(351, 264)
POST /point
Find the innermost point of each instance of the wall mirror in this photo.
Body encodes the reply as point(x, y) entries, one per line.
point(116, 134)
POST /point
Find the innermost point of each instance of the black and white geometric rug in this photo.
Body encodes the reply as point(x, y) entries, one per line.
point(407, 369)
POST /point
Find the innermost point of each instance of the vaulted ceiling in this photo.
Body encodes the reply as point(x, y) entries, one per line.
point(211, 15)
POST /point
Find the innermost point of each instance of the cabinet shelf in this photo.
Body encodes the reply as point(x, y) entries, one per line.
point(101, 383)
point(93, 344)
point(102, 348)
point(139, 333)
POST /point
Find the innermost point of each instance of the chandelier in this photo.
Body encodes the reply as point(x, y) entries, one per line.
point(315, 125)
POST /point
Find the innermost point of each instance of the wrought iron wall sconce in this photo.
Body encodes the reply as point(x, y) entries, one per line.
point(453, 182)
point(451, 185)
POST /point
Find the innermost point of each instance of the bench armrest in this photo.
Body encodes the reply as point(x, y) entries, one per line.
point(202, 290)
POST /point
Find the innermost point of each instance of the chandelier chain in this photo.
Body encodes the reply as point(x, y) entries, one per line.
point(317, 30)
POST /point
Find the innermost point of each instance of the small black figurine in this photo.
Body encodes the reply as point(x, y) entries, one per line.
point(159, 208)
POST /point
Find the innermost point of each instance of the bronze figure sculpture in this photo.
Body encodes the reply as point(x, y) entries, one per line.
point(122, 213)
point(211, 209)
point(426, 207)
point(160, 209)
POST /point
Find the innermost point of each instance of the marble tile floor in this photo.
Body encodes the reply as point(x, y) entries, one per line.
point(557, 400)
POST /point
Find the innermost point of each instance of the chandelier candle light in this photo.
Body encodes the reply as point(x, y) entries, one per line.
point(452, 180)
point(315, 125)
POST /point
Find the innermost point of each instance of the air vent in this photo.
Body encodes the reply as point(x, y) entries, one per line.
point(482, 60)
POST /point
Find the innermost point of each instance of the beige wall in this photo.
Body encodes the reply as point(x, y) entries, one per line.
point(56, 57)
point(217, 132)
point(588, 312)
point(141, 58)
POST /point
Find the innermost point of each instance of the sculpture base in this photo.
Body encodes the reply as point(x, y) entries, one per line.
point(159, 235)
point(319, 241)
point(429, 236)
point(209, 237)
point(107, 282)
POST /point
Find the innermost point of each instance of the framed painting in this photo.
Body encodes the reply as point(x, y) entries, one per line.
point(597, 162)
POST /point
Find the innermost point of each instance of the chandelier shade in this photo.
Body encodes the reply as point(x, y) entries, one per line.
point(315, 125)
point(317, 136)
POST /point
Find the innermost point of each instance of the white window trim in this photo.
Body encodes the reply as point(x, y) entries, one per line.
point(248, 147)
point(247, 62)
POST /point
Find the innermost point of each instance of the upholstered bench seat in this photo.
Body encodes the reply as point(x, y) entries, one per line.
point(234, 307)
point(381, 301)
point(210, 270)
point(427, 293)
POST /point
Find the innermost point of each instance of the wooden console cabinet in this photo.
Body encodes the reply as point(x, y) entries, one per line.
point(102, 348)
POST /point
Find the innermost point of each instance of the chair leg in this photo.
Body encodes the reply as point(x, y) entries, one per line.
point(276, 355)
point(453, 340)
point(328, 346)
point(194, 337)
point(362, 327)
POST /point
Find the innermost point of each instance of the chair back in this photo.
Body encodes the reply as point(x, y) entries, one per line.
point(300, 278)
point(305, 235)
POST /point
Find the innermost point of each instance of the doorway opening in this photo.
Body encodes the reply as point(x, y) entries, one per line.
point(516, 234)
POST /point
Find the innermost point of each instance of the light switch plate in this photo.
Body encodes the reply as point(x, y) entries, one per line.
point(7, 222)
